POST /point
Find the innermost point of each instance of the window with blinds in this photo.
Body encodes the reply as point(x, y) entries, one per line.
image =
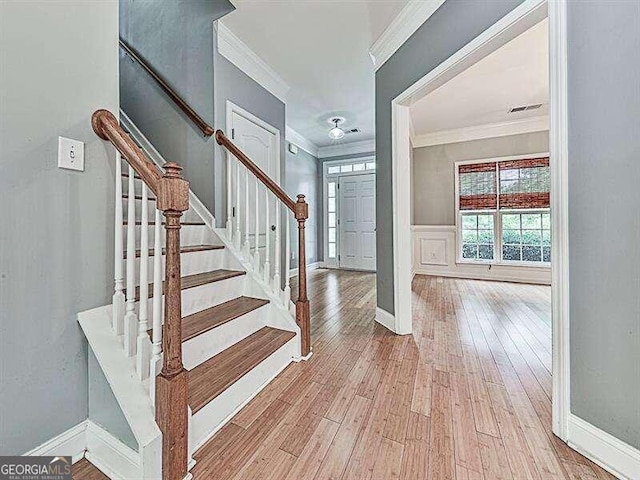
point(524, 183)
point(503, 210)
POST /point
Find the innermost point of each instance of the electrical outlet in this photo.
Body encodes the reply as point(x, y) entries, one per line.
point(70, 154)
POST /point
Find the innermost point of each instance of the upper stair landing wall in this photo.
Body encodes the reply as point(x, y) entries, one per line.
point(183, 56)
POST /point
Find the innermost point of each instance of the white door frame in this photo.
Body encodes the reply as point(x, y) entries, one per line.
point(326, 178)
point(517, 21)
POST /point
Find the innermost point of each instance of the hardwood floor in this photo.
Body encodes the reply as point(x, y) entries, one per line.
point(465, 397)
point(84, 470)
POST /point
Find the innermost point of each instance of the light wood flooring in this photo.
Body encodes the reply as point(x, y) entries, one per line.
point(465, 397)
point(84, 470)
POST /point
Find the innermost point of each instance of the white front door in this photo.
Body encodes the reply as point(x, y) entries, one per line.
point(261, 145)
point(357, 214)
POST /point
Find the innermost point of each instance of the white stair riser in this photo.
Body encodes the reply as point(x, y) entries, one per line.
point(200, 298)
point(190, 235)
point(193, 262)
point(210, 418)
point(206, 345)
point(188, 216)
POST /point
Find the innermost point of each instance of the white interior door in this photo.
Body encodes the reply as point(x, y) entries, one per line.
point(261, 145)
point(357, 215)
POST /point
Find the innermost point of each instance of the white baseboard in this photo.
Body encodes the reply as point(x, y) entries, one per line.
point(533, 275)
point(72, 442)
point(615, 456)
point(385, 319)
point(110, 455)
point(311, 266)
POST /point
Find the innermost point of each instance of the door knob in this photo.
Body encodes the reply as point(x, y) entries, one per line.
point(273, 228)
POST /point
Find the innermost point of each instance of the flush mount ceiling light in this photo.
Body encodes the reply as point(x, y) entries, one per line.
point(336, 133)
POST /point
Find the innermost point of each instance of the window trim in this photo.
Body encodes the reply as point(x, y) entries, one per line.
point(497, 218)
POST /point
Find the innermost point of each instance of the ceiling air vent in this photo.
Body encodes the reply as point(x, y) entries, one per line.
point(353, 130)
point(525, 107)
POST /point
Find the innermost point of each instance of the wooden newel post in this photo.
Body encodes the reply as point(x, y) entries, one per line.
point(301, 213)
point(171, 384)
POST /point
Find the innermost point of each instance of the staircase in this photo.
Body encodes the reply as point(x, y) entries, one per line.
point(200, 319)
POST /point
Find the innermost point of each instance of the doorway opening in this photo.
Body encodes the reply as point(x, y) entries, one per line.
point(521, 19)
point(350, 214)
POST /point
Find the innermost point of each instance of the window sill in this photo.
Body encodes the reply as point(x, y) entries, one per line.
point(544, 266)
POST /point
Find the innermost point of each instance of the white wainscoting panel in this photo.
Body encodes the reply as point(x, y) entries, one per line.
point(434, 253)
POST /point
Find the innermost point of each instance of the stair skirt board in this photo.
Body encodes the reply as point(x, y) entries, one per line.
point(190, 235)
point(131, 394)
point(196, 262)
point(208, 295)
point(213, 416)
point(202, 347)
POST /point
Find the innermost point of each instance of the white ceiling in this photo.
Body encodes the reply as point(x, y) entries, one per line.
point(321, 49)
point(516, 74)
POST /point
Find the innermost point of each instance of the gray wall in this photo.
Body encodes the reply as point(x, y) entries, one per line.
point(302, 177)
point(452, 26)
point(103, 406)
point(433, 178)
point(176, 40)
point(604, 214)
point(57, 66)
point(234, 85)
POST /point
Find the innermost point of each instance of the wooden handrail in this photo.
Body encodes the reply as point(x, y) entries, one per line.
point(300, 210)
point(172, 198)
point(206, 129)
point(106, 126)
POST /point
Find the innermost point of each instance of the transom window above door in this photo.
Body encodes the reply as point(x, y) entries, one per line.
point(503, 211)
point(351, 167)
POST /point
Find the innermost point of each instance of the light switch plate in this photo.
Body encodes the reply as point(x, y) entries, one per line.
point(70, 154)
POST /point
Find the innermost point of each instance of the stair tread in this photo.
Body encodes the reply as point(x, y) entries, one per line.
point(189, 249)
point(211, 378)
point(198, 279)
point(205, 320)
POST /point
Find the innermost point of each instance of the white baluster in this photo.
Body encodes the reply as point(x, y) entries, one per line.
point(246, 214)
point(118, 277)
point(229, 224)
point(287, 262)
point(237, 238)
point(158, 275)
point(130, 317)
point(256, 252)
point(277, 252)
point(267, 266)
point(143, 348)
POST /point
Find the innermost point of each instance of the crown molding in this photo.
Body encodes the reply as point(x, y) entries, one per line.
point(414, 14)
point(353, 148)
point(238, 53)
point(303, 142)
point(478, 132)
